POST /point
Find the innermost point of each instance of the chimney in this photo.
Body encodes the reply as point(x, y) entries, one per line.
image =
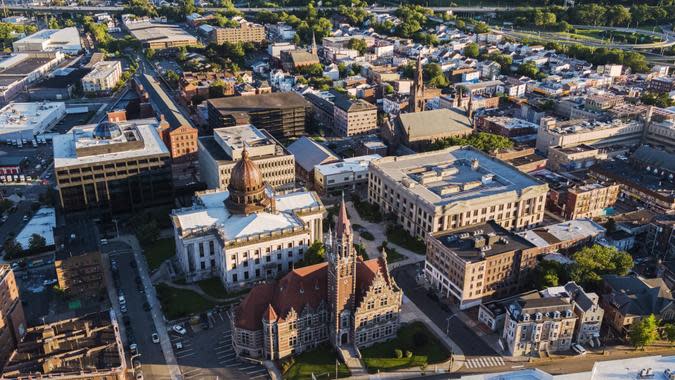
point(117, 115)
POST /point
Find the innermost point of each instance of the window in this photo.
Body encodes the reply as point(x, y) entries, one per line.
point(370, 305)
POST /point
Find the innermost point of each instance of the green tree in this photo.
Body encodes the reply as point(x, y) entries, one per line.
point(150, 53)
point(36, 242)
point(217, 89)
point(591, 263)
point(486, 142)
point(550, 273)
point(644, 332)
point(481, 27)
point(12, 248)
point(528, 69)
point(388, 89)
point(617, 15)
point(172, 77)
point(669, 332)
point(434, 75)
point(657, 99)
point(358, 44)
point(315, 254)
point(460, 24)
point(189, 7)
point(53, 23)
point(471, 50)
point(147, 232)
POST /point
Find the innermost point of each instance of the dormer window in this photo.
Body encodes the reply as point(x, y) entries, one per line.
point(526, 317)
point(556, 315)
point(538, 316)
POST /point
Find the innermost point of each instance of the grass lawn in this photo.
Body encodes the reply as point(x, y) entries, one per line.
point(415, 338)
point(178, 303)
point(320, 362)
point(367, 235)
point(213, 287)
point(393, 255)
point(397, 235)
point(159, 251)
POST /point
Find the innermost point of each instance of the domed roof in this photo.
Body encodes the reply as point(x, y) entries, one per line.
point(107, 130)
point(246, 176)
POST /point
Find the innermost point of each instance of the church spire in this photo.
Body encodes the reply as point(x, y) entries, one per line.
point(343, 225)
point(416, 102)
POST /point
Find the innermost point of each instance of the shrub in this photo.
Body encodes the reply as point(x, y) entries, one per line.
point(420, 339)
point(398, 353)
point(286, 364)
point(367, 235)
point(408, 354)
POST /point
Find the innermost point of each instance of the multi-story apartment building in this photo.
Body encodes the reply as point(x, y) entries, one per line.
point(181, 141)
point(247, 233)
point(353, 117)
point(539, 325)
point(244, 32)
point(596, 133)
point(346, 301)
point(113, 167)
point(453, 188)
point(78, 260)
point(87, 347)
point(348, 175)
point(484, 261)
point(586, 307)
point(12, 319)
point(573, 198)
point(661, 84)
point(102, 78)
point(219, 153)
point(569, 159)
point(283, 115)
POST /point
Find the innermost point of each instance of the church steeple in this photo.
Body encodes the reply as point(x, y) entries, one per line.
point(341, 280)
point(416, 102)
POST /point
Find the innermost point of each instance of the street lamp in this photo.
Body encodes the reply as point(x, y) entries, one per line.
point(447, 324)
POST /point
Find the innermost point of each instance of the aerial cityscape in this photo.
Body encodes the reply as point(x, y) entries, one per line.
point(337, 189)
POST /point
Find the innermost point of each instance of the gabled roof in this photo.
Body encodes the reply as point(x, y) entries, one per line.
point(637, 295)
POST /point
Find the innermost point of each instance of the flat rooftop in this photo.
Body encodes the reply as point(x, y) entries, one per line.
point(158, 32)
point(446, 176)
point(89, 344)
point(587, 126)
point(29, 115)
point(477, 242)
point(101, 69)
point(66, 145)
point(571, 230)
point(42, 223)
point(241, 136)
point(352, 164)
point(259, 102)
point(75, 239)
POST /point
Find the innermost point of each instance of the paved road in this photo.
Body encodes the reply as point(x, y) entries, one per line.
point(140, 324)
point(472, 345)
point(175, 114)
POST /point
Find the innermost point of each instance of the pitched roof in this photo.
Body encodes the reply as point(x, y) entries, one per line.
point(638, 296)
point(343, 224)
point(302, 287)
point(308, 153)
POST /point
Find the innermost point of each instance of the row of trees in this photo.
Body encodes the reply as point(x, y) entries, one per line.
point(597, 14)
point(487, 142)
point(600, 56)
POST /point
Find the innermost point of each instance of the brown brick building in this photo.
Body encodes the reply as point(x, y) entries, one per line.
point(78, 260)
point(199, 84)
point(346, 301)
point(12, 319)
point(478, 263)
point(181, 141)
point(245, 32)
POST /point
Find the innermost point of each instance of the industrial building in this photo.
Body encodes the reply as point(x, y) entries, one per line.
point(25, 120)
point(66, 40)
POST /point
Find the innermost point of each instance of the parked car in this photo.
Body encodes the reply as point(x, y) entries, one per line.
point(155, 338)
point(579, 349)
point(179, 329)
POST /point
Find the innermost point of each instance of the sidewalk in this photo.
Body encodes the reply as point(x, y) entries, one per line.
point(155, 308)
point(411, 313)
point(380, 235)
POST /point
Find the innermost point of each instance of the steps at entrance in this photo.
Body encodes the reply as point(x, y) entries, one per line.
point(350, 356)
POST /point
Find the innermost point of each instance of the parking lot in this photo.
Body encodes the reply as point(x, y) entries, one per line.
point(208, 354)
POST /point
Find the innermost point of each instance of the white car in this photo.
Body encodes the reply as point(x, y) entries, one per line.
point(122, 300)
point(578, 349)
point(155, 338)
point(49, 282)
point(179, 329)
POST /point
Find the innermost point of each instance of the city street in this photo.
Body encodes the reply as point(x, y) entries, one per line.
point(478, 354)
point(140, 325)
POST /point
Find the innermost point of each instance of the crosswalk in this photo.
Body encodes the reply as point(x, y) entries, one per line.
point(485, 361)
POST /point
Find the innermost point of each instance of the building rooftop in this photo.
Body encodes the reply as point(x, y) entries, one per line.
point(511, 122)
point(66, 39)
point(150, 32)
point(42, 223)
point(309, 153)
point(209, 213)
point(627, 172)
point(89, 344)
point(74, 239)
point(454, 174)
point(235, 104)
point(588, 126)
point(479, 241)
point(353, 164)
point(571, 230)
point(62, 78)
point(28, 115)
point(430, 124)
point(101, 70)
point(81, 145)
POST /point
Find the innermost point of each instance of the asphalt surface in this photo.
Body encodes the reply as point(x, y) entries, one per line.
point(140, 326)
point(470, 343)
